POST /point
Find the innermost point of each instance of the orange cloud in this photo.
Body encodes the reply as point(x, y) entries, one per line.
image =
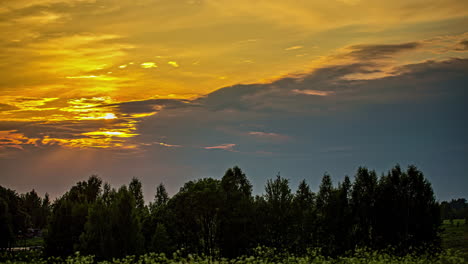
point(313, 92)
point(228, 147)
point(272, 136)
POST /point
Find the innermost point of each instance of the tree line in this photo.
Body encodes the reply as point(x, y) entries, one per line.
point(222, 217)
point(20, 213)
point(455, 209)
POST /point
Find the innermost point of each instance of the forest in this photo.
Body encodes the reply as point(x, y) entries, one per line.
point(395, 212)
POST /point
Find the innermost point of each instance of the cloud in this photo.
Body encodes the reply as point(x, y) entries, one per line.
point(313, 92)
point(372, 52)
point(151, 105)
point(7, 107)
point(167, 145)
point(227, 147)
point(294, 48)
point(269, 136)
point(148, 65)
point(173, 64)
point(463, 45)
point(103, 122)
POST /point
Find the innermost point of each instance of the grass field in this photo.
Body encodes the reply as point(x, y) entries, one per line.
point(455, 236)
point(266, 257)
point(31, 242)
point(454, 241)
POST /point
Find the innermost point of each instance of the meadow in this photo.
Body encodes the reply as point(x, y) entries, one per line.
point(454, 243)
point(261, 256)
point(391, 219)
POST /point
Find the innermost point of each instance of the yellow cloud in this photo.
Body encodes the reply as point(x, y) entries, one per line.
point(294, 48)
point(110, 133)
point(82, 77)
point(66, 74)
point(173, 63)
point(148, 65)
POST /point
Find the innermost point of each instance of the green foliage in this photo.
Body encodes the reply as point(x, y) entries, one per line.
point(236, 214)
point(220, 218)
point(261, 255)
point(7, 236)
point(455, 209)
point(278, 198)
point(455, 236)
point(195, 215)
point(69, 216)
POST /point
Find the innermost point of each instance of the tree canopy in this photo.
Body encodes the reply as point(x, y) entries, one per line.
point(222, 217)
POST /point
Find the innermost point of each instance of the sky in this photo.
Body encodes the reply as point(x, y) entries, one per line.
point(176, 90)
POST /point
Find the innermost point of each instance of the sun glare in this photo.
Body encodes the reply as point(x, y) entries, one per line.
point(109, 116)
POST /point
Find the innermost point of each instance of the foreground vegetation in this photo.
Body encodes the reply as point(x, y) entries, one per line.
point(221, 220)
point(455, 236)
point(261, 256)
point(454, 243)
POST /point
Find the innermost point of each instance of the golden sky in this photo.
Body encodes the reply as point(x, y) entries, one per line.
point(75, 61)
point(172, 90)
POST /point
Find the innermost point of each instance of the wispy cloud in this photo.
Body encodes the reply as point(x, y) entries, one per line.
point(167, 145)
point(173, 64)
point(294, 48)
point(269, 135)
point(227, 147)
point(148, 65)
point(313, 92)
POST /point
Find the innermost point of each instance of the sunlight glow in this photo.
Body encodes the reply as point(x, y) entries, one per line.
point(147, 65)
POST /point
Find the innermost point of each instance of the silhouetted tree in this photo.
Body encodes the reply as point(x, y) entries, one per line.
point(324, 215)
point(6, 226)
point(125, 224)
point(236, 213)
point(195, 216)
point(220, 217)
point(303, 217)
point(136, 189)
point(69, 215)
point(160, 241)
point(278, 198)
point(363, 204)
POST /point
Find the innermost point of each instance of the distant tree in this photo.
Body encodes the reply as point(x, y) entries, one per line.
point(326, 200)
point(235, 213)
point(125, 224)
point(97, 237)
point(6, 227)
point(157, 216)
point(408, 215)
point(455, 209)
point(363, 204)
point(161, 241)
point(343, 217)
point(222, 218)
point(32, 203)
point(14, 216)
point(136, 189)
point(278, 198)
point(20, 220)
point(161, 198)
point(69, 216)
point(195, 216)
point(45, 211)
point(424, 211)
point(304, 217)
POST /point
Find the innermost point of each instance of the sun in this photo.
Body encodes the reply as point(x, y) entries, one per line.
point(109, 116)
